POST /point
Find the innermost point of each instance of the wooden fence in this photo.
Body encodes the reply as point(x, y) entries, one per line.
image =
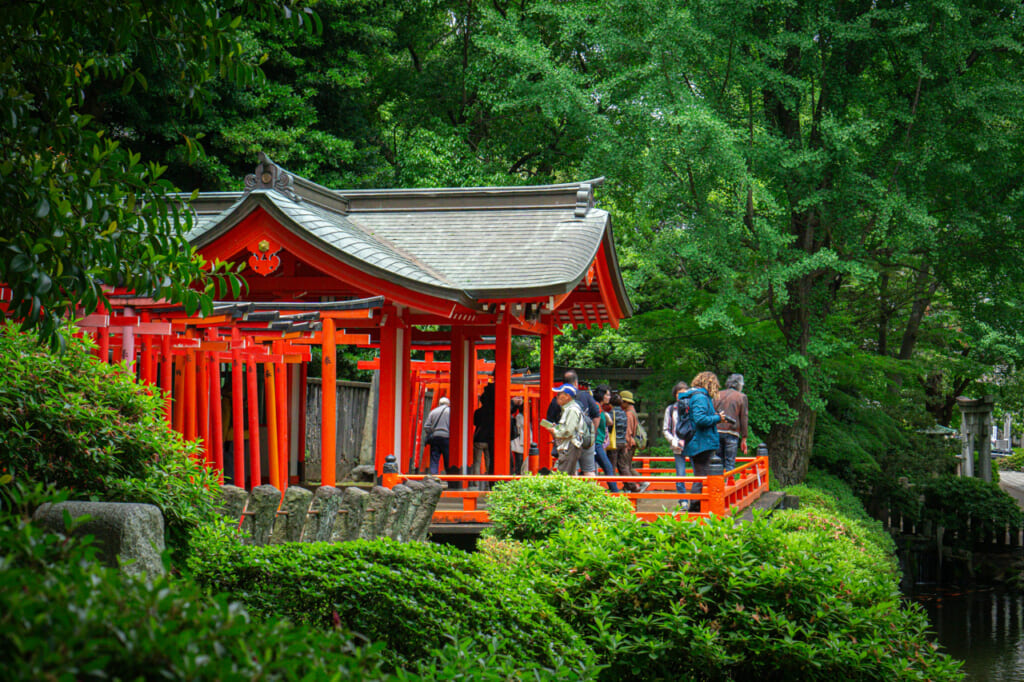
point(980, 534)
point(353, 401)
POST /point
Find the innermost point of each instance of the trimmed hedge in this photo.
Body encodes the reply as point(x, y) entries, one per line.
point(534, 507)
point(413, 597)
point(724, 601)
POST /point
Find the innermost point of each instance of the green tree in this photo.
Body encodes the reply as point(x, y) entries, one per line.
point(79, 208)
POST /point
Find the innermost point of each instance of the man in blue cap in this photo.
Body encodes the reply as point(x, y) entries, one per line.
point(567, 432)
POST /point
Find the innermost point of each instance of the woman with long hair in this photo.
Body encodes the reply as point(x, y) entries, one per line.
point(702, 395)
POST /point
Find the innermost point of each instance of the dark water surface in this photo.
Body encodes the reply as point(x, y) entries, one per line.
point(982, 627)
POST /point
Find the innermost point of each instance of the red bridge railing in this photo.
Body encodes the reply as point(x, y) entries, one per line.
point(720, 495)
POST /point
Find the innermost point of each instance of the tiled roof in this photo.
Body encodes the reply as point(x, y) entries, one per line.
point(463, 243)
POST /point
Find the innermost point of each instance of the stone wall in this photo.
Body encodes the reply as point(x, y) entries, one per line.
point(402, 513)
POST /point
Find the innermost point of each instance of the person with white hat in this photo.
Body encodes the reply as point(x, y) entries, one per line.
point(566, 431)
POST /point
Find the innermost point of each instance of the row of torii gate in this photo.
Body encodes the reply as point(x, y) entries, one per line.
point(210, 368)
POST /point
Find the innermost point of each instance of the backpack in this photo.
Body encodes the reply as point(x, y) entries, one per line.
point(640, 437)
point(584, 435)
point(620, 425)
point(684, 420)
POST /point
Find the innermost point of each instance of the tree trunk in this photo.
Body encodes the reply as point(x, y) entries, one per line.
point(789, 445)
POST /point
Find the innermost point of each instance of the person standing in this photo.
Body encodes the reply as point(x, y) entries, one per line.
point(704, 444)
point(590, 408)
point(669, 431)
point(483, 436)
point(437, 436)
point(732, 435)
point(605, 424)
point(567, 431)
point(628, 449)
point(516, 446)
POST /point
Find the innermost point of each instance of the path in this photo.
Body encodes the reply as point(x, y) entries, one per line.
point(1013, 483)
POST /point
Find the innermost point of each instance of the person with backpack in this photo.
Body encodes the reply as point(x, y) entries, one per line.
point(573, 433)
point(435, 432)
point(699, 402)
point(670, 423)
point(628, 449)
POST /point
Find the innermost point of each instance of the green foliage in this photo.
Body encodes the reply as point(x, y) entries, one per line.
point(1014, 462)
point(970, 507)
point(809, 598)
point(85, 426)
point(535, 507)
point(413, 597)
point(63, 616)
point(80, 209)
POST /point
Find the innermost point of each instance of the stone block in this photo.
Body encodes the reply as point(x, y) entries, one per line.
point(127, 534)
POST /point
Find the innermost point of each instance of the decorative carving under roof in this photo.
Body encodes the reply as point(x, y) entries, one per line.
point(269, 175)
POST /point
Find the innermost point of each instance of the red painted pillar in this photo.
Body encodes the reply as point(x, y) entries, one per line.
point(179, 394)
point(407, 409)
point(203, 403)
point(255, 475)
point(547, 380)
point(103, 338)
point(386, 424)
point(167, 377)
point(216, 418)
point(457, 396)
point(283, 451)
point(273, 453)
point(190, 395)
point(328, 405)
point(237, 410)
point(502, 394)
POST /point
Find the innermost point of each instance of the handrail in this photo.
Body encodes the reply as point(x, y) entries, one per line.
point(732, 491)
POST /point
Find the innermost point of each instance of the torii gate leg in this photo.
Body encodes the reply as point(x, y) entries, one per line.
point(329, 416)
point(237, 413)
point(255, 475)
point(502, 395)
point(394, 373)
point(270, 388)
point(461, 400)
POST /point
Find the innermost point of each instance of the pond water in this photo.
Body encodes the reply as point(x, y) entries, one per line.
point(982, 627)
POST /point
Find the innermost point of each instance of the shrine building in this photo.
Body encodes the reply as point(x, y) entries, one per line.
point(452, 269)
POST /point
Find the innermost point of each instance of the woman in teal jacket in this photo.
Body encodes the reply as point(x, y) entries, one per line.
point(702, 394)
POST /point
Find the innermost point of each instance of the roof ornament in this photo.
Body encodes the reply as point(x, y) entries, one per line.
point(584, 200)
point(269, 175)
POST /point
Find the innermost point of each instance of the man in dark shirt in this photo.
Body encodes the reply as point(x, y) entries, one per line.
point(732, 435)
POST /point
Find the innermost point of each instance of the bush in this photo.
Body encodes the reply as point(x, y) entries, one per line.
point(722, 601)
point(88, 427)
point(535, 507)
point(827, 493)
point(413, 597)
point(1014, 462)
point(970, 507)
point(63, 616)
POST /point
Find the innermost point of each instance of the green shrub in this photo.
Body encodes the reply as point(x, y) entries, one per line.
point(970, 507)
point(822, 491)
point(723, 601)
point(414, 597)
point(1014, 462)
point(88, 427)
point(534, 507)
point(63, 616)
